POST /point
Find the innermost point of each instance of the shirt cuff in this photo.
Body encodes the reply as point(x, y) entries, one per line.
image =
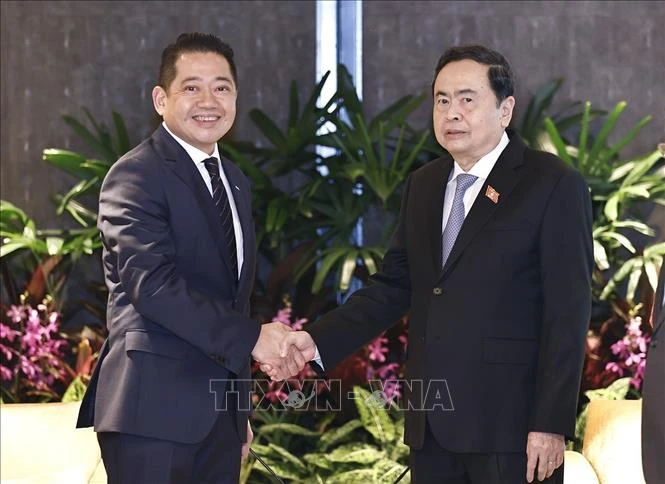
point(317, 359)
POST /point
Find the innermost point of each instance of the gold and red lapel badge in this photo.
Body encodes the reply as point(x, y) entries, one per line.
point(492, 194)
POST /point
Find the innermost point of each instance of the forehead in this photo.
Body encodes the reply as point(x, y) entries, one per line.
point(463, 74)
point(206, 65)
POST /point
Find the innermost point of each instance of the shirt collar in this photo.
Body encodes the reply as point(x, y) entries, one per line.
point(484, 165)
point(194, 153)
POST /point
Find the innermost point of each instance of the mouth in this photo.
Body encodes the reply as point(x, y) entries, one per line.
point(206, 118)
point(454, 132)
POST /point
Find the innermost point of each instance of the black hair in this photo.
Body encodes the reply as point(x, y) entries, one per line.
point(499, 73)
point(193, 42)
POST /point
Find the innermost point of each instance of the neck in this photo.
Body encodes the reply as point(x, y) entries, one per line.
point(466, 165)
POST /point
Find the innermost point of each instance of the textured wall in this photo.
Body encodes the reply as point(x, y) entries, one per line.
point(58, 56)
point(607, 51)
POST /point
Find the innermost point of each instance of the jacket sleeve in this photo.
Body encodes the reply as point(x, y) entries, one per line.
point(134, 223)
point(566, 254)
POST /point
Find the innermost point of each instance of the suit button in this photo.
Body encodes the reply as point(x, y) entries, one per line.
point(437, 291)
point(654, 343)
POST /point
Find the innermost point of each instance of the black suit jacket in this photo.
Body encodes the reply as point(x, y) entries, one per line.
point(653, 395)
point(503, 323)
point(178, 319)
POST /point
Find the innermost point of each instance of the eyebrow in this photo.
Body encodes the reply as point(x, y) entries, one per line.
point(196, 78)
point(457, 93)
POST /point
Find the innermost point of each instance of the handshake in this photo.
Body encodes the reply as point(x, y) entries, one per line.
point(282, 352)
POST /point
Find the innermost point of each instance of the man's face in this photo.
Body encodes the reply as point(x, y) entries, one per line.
point(467, 121)
point(200, 104)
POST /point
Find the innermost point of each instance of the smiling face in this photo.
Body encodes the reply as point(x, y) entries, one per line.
point(199, 106)
point(467, 121)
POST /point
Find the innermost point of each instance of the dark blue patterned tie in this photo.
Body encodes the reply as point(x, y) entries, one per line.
point(220, 197)
point(456, 217)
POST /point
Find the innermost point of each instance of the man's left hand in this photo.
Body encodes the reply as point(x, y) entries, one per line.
point(544, 454)
point(248, 444)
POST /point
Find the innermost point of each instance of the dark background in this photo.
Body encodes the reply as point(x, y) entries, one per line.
point(58, 56)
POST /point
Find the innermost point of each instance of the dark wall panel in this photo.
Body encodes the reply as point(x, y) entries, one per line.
point(607, 51)
point(61, 55)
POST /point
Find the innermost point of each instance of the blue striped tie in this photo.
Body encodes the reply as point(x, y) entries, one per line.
point(221, 200)
point(456, 217)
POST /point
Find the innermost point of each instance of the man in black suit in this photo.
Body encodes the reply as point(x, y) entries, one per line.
point(653, 394)
point(168, 397)
point(492, 256)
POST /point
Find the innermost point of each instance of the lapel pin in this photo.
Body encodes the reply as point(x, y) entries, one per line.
point(492, 194)
point(237, 187)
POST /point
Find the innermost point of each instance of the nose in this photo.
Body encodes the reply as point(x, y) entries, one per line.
point(207, 98)
point(453, 111)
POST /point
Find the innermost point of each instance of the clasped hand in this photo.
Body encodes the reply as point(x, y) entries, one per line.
point(282, 352)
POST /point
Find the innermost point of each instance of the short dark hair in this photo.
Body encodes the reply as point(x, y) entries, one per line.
point(499, 73)
point(193, 42)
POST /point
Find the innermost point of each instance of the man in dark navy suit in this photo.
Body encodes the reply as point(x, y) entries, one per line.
point(492, 257)
point(169, 396)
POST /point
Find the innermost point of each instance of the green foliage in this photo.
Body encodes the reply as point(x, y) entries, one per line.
point(308, 202)
point(368, 449)
point(616, 185)
point(90, 172)
point(46, 258)
point(75, 391)
point(19, 232)
point(532, 128)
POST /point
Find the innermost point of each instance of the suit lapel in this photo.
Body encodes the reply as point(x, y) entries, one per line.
point(183, 167)
point(503, 179)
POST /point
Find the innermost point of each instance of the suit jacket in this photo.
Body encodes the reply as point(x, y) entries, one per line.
point(653, 395)
point(178, 318)
point(500, 331)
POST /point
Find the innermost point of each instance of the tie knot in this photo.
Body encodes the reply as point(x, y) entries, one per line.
point(212, 166)
point(464, 181)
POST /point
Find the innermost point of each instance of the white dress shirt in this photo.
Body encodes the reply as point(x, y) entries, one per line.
point(197, 157)
point(481, 169)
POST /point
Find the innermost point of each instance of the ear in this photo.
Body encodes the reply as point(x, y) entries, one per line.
point(506, 111)
point(159, 99)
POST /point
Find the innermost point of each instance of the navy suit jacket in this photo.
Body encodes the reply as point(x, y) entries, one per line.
point(503, 324)
point(178, 318)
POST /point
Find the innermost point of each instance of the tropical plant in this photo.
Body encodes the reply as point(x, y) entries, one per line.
point(40, 360)
point(308, 202)
point(615, 187)
point(39, 260)
point(368, 449)
point(33, 352)
point(47, 257)
point(90, 172)
point(532, 126)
